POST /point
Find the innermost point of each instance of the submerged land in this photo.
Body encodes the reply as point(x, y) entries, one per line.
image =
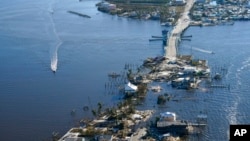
point(124, 121)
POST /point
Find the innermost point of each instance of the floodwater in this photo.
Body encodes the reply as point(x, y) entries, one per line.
point(36, 35)
point(223, 106)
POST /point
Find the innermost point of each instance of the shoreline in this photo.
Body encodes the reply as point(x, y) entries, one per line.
point(171, 66)
point(126, 126)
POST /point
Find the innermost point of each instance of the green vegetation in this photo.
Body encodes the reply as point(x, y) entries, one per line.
point(142, 90)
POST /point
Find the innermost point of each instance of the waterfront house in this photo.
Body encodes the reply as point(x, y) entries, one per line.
point(130, 88)
point(106, 7)
point(168, 116)
point(169, 124)
point(74, 134)
point(105, 138)
point(181, 83)
point(136, 117)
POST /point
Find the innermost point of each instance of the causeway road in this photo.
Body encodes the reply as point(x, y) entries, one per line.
point(181, 24)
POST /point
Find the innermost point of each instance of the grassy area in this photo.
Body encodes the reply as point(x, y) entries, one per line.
point(144, 7)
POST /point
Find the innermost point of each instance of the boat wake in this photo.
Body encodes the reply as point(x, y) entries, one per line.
point(54, 50)
point(54, 59)
point(199, 49)
point(202, 50)
point(232, 110)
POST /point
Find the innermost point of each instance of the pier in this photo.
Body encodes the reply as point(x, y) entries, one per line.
point(182, 23)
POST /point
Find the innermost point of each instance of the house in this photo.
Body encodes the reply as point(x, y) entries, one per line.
point(136, 117)
point(189, 70)
point(181, 83)
point(105, 6)
point(130, 88)
point(105, 138)
point(168, 116)
point(74, 135)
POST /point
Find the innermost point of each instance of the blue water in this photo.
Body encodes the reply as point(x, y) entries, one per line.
point(231, 45)
point(35, 102)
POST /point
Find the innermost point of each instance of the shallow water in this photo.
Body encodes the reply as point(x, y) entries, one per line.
point(224, 106)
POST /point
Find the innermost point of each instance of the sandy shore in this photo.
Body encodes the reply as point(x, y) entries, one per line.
point(182, 23)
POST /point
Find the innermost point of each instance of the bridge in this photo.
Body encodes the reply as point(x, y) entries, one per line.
point(181, 24)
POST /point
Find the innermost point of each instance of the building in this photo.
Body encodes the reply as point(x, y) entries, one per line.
point(106, 7)
point(105, 138)
point(168, 116)
point(74, 135)
point(169, 124)
point(130, 88)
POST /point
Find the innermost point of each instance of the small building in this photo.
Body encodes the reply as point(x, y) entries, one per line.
point(189, 70)
point(136, 117)
point(75, 135)
point(169, 124)
point(181, 83)
point(168, 116)
point(105, 6)
point(105, 138)
point(130, 88)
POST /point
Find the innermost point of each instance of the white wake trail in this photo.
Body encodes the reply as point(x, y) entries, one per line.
point(54, 50)
point(202, 50)
point(54, 58)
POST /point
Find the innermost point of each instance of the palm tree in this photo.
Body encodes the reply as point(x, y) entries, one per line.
point(99, 108)
point(94, 113)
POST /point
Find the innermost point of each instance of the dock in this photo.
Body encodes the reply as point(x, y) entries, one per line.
point(79, 14)
point(179, 127)
point(173, 38)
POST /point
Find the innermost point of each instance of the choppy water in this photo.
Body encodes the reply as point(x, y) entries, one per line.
point(34, 102)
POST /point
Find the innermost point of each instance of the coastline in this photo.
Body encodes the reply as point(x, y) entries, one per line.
point(162, 69)
point(92, 128)
point(94, 52)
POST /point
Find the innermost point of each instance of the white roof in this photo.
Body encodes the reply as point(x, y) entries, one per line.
point(130, 87)
point(134, 116)
point(167, 114)
point(189, 68)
